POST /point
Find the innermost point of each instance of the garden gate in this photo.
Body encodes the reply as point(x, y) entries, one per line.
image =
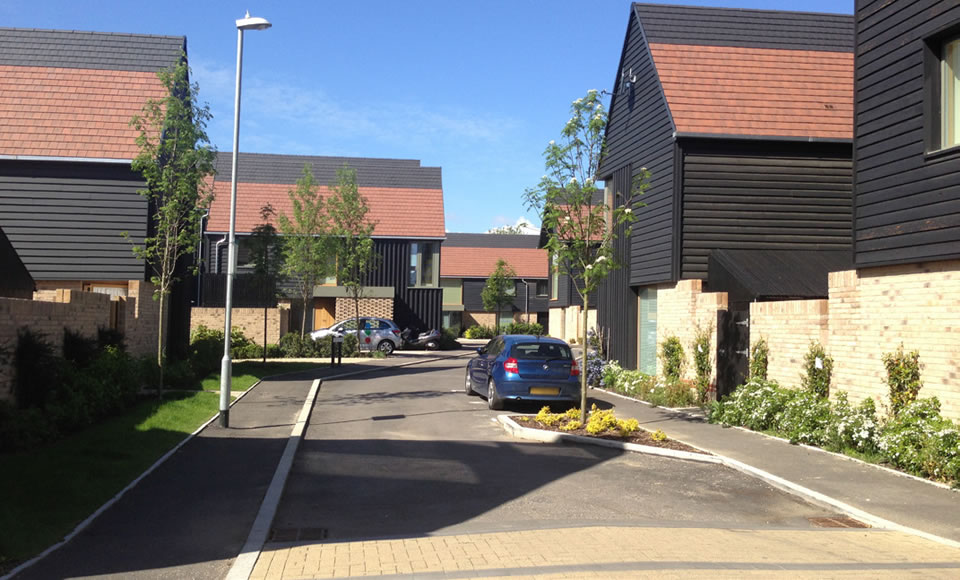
point(733, 350)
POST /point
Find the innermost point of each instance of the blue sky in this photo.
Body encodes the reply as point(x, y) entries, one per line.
point(476, 88)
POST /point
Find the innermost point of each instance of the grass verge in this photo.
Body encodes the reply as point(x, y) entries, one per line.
point(247, 373)
point(47, 492)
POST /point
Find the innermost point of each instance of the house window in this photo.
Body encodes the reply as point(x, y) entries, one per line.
point(424, 271)
point(506, 319)
point(331, 278)
point(647, 328)
point(950, 94)
point(511, 290)
point(554, 278)
point(452, 290)
point(542, 288)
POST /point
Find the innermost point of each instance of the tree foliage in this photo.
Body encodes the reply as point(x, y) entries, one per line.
point(350, 230)
point(175, 159)
point(305, 246)
point(520, 228)
point(497, 291)
point(580, 222)
point(263, 245)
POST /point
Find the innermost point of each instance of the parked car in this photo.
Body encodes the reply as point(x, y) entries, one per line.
point(380, 333)
point(520, 367)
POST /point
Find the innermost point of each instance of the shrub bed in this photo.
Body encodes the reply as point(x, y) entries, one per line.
point(917, 439)
point(649, 388)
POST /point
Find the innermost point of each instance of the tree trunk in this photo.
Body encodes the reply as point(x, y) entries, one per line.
point(356, 313)
point(583, 361)
point(303, 319)
point(163, 300)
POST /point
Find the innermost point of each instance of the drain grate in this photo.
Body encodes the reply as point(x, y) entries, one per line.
point(298, 534)
point(838, 522)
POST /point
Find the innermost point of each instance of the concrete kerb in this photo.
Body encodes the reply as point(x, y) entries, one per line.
point(782, 484)
point(245, 562)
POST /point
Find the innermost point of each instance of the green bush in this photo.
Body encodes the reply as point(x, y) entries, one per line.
point(477, 331)
point(206, 350)
point(903, 377)
point(292, 345)
point(533, 328)
point(79, 349)
point(672, 357)
point(36, 369)
point(701, 362)
point(920, 441)
point(759, 356)
point(679, 393)
point(818, 368)
point(448, 339)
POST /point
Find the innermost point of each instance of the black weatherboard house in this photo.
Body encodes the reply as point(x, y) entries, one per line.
point(67, 191)
point(744, 119)
point(406, 204)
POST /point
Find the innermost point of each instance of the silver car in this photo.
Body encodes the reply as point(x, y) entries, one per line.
point(379, 333)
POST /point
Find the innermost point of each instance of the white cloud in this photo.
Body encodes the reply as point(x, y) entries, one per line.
point(527, 225)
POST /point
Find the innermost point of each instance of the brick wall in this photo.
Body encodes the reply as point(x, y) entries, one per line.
point(565, 323)
point(789, 327)
point(52, 310)
point(872, 311)
point(680, 310)
point(248, 320)
point(377, 307)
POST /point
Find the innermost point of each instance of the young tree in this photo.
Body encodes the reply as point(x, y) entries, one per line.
point(175, 158)
point(581, 225)
point(350, 231)
point(305, 244)
point(497, 292)
point(518, 228)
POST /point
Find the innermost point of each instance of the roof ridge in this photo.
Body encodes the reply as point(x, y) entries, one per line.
point(737, 9)
point(120, 34)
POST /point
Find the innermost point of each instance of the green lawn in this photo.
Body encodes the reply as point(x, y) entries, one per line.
point(46, 492)
point(245, 374)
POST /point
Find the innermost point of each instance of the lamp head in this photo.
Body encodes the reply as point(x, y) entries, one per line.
point(253, 23)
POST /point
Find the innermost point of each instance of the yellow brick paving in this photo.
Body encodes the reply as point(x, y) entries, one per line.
point(621, 552)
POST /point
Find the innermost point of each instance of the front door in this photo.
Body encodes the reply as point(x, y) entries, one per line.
point(323, 312)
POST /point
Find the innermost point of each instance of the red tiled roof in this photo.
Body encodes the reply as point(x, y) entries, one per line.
point(71, 112)
point(480, 262)
point(398, 212)
point(757, 91)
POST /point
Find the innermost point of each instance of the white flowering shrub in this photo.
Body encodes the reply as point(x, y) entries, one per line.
point(919, 440)
point(804, 418)
point(854, 428)
point(754, 405)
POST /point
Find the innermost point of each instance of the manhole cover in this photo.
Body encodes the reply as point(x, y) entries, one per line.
point(298, 534)
point(837, 522)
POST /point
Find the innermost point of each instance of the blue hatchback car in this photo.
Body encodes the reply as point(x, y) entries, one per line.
point(519, 367)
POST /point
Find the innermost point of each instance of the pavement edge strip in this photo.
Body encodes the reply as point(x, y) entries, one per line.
point(778, 482)
point(243, 565)
point(89, 520)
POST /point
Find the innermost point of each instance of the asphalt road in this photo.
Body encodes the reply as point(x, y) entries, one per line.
point(406, 453)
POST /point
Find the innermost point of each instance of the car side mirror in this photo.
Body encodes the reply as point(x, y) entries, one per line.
point(482, 350)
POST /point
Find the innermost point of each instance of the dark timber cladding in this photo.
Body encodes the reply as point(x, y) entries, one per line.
point(616, 301)
point(907, 197)
point(640, 132)
point(774, 196)
point(66, 219)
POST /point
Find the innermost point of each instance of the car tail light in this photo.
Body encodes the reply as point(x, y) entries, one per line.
point(395, 332)
point(574, 369)
point(510, 365)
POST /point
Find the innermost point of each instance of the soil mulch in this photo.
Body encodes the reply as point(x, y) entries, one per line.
point(641, 437)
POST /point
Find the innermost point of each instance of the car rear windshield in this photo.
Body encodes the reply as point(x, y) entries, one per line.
point(539, 351)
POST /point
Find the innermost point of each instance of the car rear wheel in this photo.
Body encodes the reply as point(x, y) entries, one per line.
point(386, 347)
point(494, 401)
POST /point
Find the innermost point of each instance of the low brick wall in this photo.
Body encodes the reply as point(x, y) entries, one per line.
point(248, 320)
point(53, 310)
point(565, 323)
point(377, 307)
point(789, 327)
point(680, 310)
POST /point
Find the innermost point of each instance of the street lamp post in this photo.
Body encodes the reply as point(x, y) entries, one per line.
point(245, 23)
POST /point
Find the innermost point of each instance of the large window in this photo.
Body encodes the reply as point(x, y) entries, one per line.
point(648, 331)
point(424, 270)
point(950, 93)
point(542, 288)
